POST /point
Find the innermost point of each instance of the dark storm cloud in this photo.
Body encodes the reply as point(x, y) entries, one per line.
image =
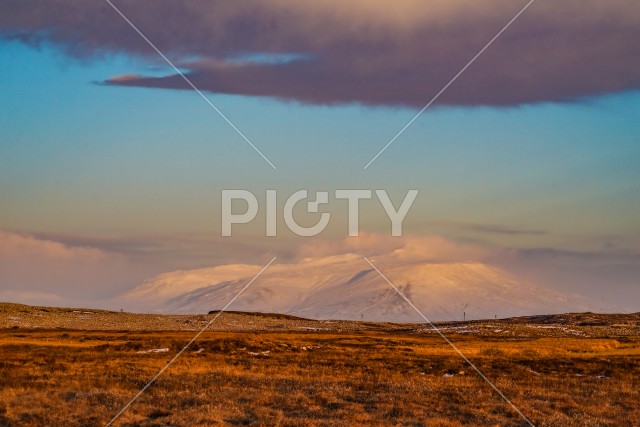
point(370, 52)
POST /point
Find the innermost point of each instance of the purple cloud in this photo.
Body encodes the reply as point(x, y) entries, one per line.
point(369, 52)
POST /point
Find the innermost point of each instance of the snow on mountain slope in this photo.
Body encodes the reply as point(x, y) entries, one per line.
point(175, 283)
point(346, 287)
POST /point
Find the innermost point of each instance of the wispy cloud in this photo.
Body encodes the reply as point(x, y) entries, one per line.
point(407, 248)
point(368, 52)
point(16, 247)
point(489, 228)
point(616, 256)
point(35, 266)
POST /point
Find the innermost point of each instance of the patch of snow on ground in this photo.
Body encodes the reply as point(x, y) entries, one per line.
point(154, 350)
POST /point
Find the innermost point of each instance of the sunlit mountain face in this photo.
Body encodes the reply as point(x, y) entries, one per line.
point(347, 287)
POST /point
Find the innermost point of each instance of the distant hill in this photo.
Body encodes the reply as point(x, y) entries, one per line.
point(17, 317)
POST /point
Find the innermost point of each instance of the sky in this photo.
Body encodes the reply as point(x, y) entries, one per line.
point(111, 167)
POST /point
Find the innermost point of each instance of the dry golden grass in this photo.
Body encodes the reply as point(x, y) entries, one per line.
point(83, 378)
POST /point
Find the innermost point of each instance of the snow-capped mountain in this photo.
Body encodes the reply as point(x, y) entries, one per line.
point(346, 287)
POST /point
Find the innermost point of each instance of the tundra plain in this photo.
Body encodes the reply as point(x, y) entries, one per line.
point(79, 367)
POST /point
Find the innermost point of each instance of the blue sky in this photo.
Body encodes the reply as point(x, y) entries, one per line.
point(80, 156)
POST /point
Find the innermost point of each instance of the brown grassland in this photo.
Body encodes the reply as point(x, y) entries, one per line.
point(376, 376)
